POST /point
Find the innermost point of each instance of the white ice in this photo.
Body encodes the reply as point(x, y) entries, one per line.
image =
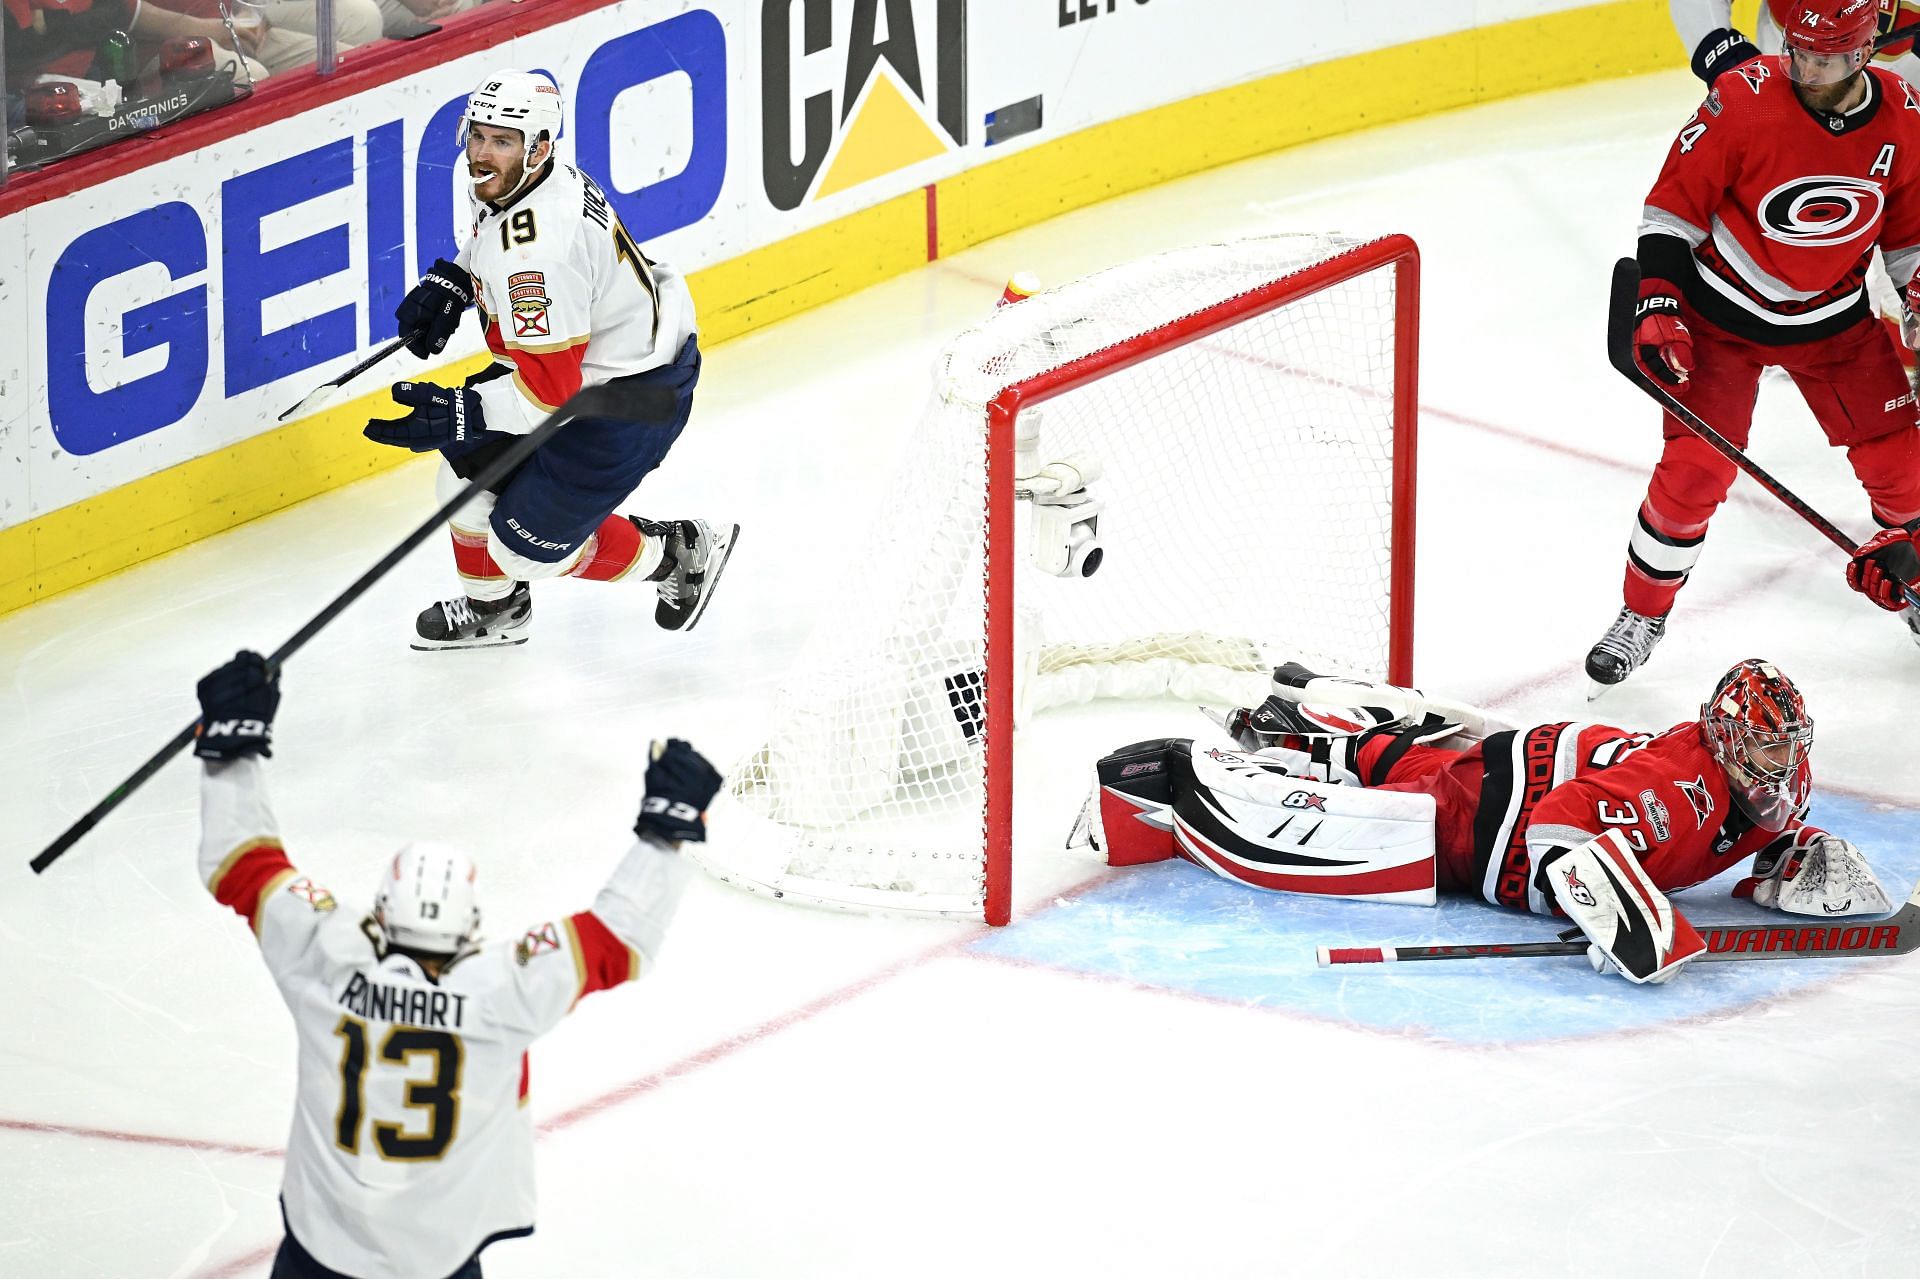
point(811, 1093)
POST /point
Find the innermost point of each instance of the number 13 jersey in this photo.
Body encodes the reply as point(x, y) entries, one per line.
point(412, 1144)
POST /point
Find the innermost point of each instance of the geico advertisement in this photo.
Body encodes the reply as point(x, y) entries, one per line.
point(173, 311)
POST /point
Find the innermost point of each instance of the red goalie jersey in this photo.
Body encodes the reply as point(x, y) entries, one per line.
point(1522, 794)
point(1766, 213)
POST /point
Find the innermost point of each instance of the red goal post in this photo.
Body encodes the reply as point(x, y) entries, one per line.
point(1395, 252)
point(1215, 450)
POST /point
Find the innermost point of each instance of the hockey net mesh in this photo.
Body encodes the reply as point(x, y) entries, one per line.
point(1247, 482)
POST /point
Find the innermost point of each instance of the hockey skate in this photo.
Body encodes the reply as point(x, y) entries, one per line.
point(1911, 616)
point(469, 623)
point(697, 555)
point(1623, 650)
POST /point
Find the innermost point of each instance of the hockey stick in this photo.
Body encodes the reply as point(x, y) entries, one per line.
point(319, 394)
point(633, 401)
point(1626, 294)
point(1897, 934)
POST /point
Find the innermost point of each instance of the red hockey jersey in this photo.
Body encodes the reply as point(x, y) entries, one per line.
point(1529, 791)
point(1766, 213)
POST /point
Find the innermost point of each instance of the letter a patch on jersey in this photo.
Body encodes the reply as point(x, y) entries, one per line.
point(527, 295)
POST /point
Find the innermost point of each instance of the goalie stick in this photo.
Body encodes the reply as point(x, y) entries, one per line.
point(1897, 934)
point(633, 401)
point(1626, 293)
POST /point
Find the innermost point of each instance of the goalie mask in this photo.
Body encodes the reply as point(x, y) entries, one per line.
point(426, 900)
point(1757, 726)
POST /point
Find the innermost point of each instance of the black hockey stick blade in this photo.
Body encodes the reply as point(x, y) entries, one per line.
point(1620, 307)
point(1897, 934)
point(319, 394)
point(628, 400)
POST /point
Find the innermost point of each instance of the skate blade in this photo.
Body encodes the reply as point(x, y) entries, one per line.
point(507, 640)
point(1595, 688)
point(716, 564)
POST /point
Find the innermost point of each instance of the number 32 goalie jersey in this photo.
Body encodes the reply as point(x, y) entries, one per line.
point(567, 298)
point(412, 1143)
point(1781, 208)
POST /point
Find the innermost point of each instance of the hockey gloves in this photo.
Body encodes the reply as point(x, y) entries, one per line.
point(443, 418)
point(1722, 50)
point(1885, 568)
point(1809, 872)
point(680, 785)
point(237, 702)
point(430, 313)
point(1662, 346)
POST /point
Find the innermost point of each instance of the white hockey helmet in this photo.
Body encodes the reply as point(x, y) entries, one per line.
point(520, 100)
point(426, 900)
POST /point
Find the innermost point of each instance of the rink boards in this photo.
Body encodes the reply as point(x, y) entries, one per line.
point(174, 298)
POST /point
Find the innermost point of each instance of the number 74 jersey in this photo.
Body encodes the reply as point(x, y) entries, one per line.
point(412, 1144)
point(567, 297)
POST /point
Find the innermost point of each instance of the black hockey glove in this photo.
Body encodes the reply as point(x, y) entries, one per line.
point(432, 309)
point(443, 418)
point(237, 702)
point(1722, 50)
point(680, 785)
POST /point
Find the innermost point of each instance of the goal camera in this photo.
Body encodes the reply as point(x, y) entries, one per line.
point(1066, 535)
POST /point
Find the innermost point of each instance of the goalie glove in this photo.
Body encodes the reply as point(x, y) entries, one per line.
point(1814, 873)
point(1631, 927)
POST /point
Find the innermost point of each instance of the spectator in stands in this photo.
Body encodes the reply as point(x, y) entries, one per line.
point(61, 36)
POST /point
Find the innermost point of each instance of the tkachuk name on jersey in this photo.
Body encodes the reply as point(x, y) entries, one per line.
point(407, 1005)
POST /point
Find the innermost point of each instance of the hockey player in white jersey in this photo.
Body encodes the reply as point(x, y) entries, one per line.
point(567, 300)
point(412, 1145)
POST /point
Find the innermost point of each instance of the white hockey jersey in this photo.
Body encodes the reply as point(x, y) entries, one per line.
point(412, 1145)
point(567, 298)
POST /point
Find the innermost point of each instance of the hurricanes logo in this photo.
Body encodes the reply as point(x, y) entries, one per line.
point(1821, 210)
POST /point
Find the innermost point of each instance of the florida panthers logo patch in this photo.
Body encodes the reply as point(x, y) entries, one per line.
point(527, 295)
point(544, 940)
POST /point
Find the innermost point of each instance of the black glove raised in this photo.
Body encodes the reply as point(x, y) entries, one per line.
point(237, 702)
point(680, 785)
point(432, 309)
point(443, 417)
point(1722, 50)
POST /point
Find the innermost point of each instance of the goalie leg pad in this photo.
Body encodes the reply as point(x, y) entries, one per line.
point(1129, 814)
point(1633, 928)
point(1244, 818)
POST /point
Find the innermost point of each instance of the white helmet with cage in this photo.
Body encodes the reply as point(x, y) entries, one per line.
point(521, 100)
point(426, 900)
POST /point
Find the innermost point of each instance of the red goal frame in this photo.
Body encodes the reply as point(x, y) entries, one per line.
point(1397, 252)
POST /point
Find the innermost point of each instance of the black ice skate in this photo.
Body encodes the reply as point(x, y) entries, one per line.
point(1623, 650)
point(696, 556)
point(1912, 618)
point(469, 623)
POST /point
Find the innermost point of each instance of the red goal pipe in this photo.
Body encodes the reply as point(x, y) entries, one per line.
point(1397, 251)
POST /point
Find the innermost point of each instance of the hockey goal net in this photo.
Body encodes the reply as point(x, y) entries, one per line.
point(1226, 432)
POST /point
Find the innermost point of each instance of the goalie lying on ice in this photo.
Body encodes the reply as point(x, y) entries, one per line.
point(1403, 797)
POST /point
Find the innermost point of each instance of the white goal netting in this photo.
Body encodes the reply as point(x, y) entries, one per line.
point(1241, 471)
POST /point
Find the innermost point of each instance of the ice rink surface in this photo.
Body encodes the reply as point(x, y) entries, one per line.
point(1144, 1074)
